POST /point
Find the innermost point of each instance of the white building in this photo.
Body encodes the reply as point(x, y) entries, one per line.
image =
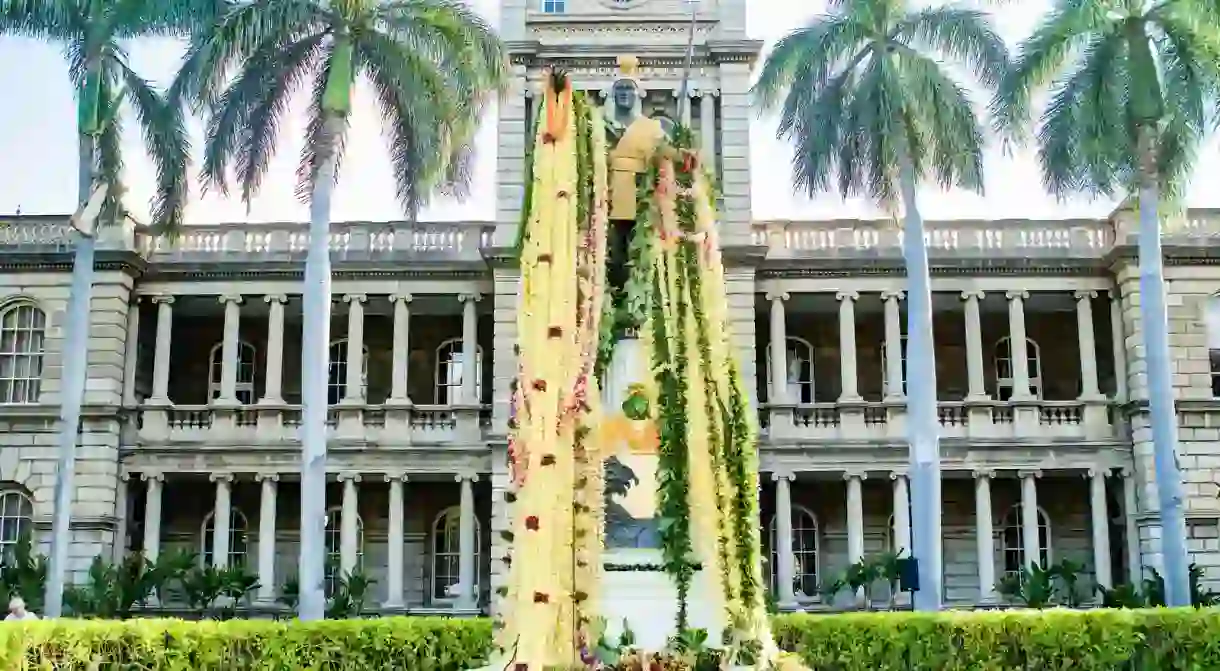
point(192, 405)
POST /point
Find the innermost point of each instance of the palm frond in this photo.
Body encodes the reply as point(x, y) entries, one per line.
point(59, 20)
point(162, 18)
point(316, 134)
point(108, 164)
point(962, 35)
point(805, 59)
point(436, 28)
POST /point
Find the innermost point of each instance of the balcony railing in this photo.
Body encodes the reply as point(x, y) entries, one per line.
point(983, 419)
point(387, 425)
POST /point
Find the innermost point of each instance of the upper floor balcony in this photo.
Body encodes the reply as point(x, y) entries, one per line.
point(226, 369)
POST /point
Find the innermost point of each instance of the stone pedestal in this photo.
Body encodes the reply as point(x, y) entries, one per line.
point(638, 594)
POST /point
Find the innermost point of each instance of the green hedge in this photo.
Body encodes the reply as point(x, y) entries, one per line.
point(1046, 640)
point(426, 644)
point(1151, 640)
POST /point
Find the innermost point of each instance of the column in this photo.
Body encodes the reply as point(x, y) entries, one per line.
point(1029, 518)
point(1018, 347)
point(855, 516)
point(902, 514)
point(152, 515)
point(402, 349)
point(273, 394)
point(228, 351)
point(131, 352)
point(684, 105)
point(984, 535)
point(466, 543)
point(349, 529)
point(784, 566)
point(165, 330)
point(1119, 346)
point(121, 515)
point(1088, 349)
point(847, 345)
point(1135, 568)
point(221, 517)
point(894, 388)
point(1101, 527)
point(778, 389)
point(266, 536)
point(395, 540)
point(974, 346)
point(354, 384)
point(707, 128)
point(470, 348)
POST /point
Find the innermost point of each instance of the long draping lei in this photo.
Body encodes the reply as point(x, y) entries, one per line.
point(707, 467)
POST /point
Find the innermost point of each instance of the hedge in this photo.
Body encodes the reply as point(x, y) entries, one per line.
point(1049, 640)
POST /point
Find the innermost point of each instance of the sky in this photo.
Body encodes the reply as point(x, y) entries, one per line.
point(38, 149)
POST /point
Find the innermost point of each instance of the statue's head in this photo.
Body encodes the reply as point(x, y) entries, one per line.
point(625, 94)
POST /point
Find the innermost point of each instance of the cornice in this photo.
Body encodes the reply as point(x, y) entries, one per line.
point(823, 268)
point(296, 271)
point(501, 257)
point(59, 261)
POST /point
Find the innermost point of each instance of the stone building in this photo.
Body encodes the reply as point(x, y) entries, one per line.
point(189, 436)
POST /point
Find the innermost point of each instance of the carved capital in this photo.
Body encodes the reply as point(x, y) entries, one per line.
point(973, 294)
point(355, 298)
point(230, 298)
point(855, 475)
point(1126, 472)
point(461, 477)
point(401, 298)
point(847, 295)
point(125, 476)
point(348, 476)
point(1084, 295)
point(895, 475)
point(267, 477)
point(152, 476)
point(981, 473)
point(394, 477)
point(777, 296)
point(783, 475)
point(893, 295)
point(1016, 295)
point(1029, 473)
point(282, 299)
point(163, 299)
point(226, 478)
point(469, 298)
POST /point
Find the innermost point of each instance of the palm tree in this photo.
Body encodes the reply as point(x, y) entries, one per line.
point(871, 107)
point(431, 64)
point(1131, 85)
point(91, 33)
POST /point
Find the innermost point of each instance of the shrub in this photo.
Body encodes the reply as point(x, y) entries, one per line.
point(418, 643)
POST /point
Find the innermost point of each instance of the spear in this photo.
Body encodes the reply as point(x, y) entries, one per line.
point(683, 98)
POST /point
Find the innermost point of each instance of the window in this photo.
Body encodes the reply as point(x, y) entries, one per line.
point(245, 371)
point(22, 332)
point(800, 370)
point(554, 6)
point(450, 369)
point(16, 520)
point(1212, 319)
point(1012, 539)
point(239, 537)
point(336, 376)
point(1004, 370)
point(885, 369)
point(804, 551)
point(334, 546)
point(446, 556)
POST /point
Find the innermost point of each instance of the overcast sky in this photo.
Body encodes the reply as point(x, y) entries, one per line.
point(38, 151)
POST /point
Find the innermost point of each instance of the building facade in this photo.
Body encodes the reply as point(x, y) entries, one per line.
point(189, 438)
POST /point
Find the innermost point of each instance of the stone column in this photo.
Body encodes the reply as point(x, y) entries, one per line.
point(466, 544)
point(349, 525)
point(784, 567)
point(273, 394)
point(266, 536)
point(777, 391)
point(1119, 347)
point(855, 521)
point(353, 392)
point(152, 515)
point(470, 348)
point(221, 518)
point(707, 128)
point(984, 535)
point(1029, 518)
point(847, 345)
point(1088, 350)
point(974, 347)
point(894, 386)
point(1101, 527)
point(161, 361)
point(229, 350)
point(402, 350)
point(119, 550)
point(902, 514)
point(131, 352)
point(685, 105)
point(1018, 345)
point(395, 540)
point(1135, 568)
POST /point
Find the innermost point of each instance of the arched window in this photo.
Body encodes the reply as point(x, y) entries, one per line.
point(1211, 317)
point(1012, 540)
point(239, 537)
point(450, 370)
point(22, 335)
point(336, 376)
point(16, 519)
point(1004, 369)
point(804, 551)
point(334, 546)
point(446, 557)
point(800, 370)
point(885, 368)
point(245, 371)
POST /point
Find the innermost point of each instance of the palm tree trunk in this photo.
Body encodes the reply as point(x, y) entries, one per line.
point(1160, 385)
point(921, 398)
point(76, 356)
point(314, 366)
